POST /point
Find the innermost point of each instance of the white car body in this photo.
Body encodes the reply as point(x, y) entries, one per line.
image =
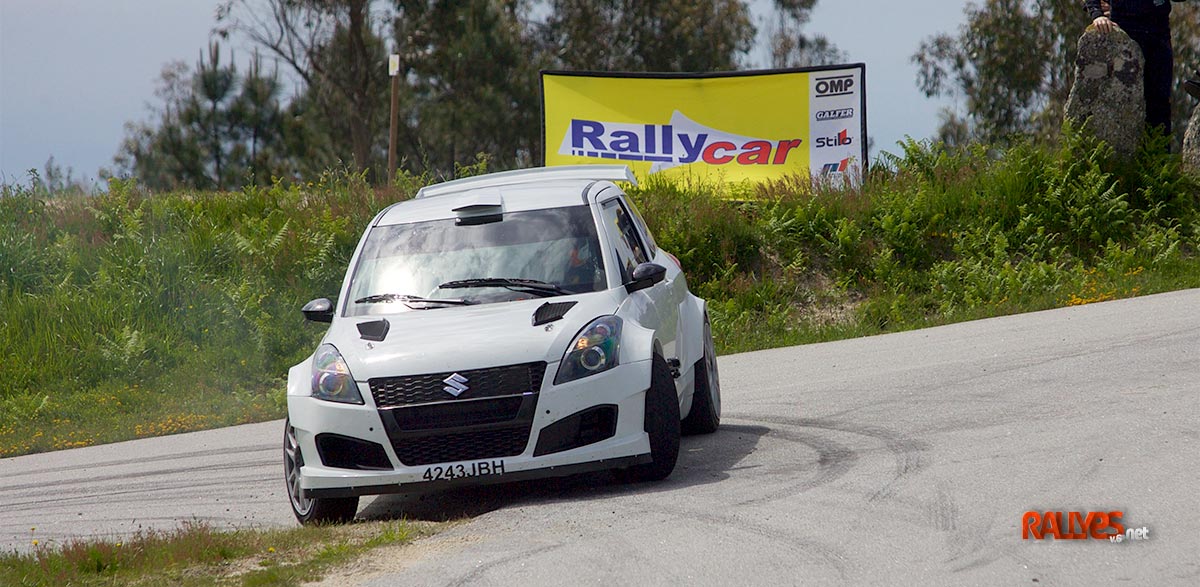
point(441, 435)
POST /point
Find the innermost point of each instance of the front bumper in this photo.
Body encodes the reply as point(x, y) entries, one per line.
point(622, 388)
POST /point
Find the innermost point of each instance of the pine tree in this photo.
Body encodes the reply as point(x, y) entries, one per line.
point(216, 129)
point(258, 112)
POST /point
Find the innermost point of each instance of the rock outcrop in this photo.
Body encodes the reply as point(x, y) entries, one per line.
point(1191, 143)
point(1107, 97)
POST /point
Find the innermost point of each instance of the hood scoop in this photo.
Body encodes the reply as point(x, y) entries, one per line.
point(551, 311)
point(375, 330)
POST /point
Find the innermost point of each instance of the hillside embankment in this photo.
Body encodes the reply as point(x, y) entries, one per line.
point(127, 314)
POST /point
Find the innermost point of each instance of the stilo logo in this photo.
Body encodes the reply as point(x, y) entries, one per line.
point(841, 85)
point(839, 114)
point(841, 140)
point(832, 169)
point(679, 142)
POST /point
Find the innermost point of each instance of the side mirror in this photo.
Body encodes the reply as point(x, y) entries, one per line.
point(646, 275)
point(318, 310)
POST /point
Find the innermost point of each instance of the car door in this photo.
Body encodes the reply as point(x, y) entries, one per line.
point(659, 312)
point(676, 284)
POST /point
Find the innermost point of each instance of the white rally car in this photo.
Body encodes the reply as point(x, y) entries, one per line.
point(501, 327)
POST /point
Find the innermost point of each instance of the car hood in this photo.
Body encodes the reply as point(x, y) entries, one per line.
point(458, 338)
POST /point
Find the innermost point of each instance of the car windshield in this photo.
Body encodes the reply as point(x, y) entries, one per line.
point(518, 255)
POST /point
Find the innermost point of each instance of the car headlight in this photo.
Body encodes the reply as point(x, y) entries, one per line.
point(592, 351)
point(331, 378)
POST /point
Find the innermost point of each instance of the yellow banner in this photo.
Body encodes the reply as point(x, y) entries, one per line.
point(740, 126)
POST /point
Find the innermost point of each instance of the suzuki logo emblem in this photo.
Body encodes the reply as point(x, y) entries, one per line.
point(455, 385)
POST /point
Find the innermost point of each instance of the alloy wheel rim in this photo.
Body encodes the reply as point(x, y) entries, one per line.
point(710, 365)
point(292, 461)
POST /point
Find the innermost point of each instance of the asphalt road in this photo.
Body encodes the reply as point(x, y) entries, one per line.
point(904, 458)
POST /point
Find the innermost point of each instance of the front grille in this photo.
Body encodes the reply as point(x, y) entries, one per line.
point(462, 446)
point(390, 392)
point(456, 414)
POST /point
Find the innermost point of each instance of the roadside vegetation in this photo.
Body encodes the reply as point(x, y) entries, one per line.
point(198, 554)
point(128, 314)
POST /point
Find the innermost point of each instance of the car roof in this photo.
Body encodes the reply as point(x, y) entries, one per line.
point(510, 191)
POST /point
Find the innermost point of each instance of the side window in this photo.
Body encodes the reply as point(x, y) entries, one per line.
point(651, 247)
point(621, 231)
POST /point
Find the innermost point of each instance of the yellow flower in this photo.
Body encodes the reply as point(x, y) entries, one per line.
point(35, 542)
point(271, 549)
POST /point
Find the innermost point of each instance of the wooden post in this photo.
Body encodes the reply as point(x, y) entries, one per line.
point(393, 71)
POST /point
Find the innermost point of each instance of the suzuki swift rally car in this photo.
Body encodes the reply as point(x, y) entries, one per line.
point(507, 326)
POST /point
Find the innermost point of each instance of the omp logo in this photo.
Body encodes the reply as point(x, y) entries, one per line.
point(456, 385)
point(840, 85)
point(679, 142)
point(842, 139)
point(839, 114)
point(838, 168)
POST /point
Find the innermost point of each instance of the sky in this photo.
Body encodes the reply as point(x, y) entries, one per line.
point(74, 72)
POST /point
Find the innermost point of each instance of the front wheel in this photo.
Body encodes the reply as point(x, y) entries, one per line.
point(705, 415)
point(662, 424)
point(310, 510)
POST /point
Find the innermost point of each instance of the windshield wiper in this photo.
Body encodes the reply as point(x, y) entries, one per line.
point(513, 283)
point(406, 299)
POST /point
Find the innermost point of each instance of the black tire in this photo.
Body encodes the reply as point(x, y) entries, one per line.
point(310, 510)
point(705, 415)
point(662, 424)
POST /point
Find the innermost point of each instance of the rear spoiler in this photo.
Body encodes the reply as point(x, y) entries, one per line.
point(535, 174)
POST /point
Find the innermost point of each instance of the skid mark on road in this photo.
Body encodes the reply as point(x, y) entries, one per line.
point(833, 461)
point(223, 453)
point(906, 452)
point(125, 479)
point(480, 570)
point(811, 551)
point(944, 509)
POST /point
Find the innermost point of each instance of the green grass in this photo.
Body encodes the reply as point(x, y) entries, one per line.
point(935, 237)
point(130, 314)
point(198, 554)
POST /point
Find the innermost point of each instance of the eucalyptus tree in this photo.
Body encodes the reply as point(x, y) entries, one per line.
point(650, 35)
point(790, 46)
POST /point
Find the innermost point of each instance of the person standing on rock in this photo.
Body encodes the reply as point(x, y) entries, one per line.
point(1148, 23)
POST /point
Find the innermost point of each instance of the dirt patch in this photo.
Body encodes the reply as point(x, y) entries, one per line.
point(387, 560)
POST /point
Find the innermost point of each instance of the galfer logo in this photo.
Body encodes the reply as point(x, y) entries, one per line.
point(839, 114)
point(679, 142)
point(839, 85)
point(1079, 526)
point(836, 169)
point(842, 139)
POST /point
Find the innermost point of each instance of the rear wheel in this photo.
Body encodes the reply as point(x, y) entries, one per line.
point(705, 416)
point(310, 510)
point(662, 424)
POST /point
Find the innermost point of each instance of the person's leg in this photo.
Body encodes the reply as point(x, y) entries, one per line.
point(1156, 76)
point(1160, 67)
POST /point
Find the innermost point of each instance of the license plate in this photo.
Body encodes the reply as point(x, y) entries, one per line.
point(464, 470)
